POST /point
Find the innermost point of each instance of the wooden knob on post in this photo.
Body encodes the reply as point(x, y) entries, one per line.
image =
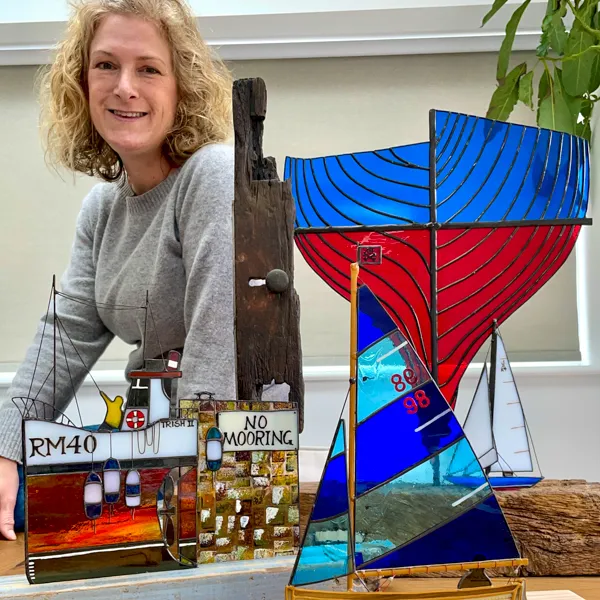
point(278, 281)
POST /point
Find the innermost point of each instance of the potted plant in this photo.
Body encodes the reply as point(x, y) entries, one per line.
point(565, 72)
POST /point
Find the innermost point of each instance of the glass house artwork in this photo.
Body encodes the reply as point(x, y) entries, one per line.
point(159, 484)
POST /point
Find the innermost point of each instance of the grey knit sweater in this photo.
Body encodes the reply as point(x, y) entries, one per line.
point(175, 241)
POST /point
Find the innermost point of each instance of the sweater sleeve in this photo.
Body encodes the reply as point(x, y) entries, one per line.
point(205, 222)
point(80, 320)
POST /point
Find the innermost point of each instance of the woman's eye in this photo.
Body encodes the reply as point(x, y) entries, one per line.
point(151, 70)
point(104, 65)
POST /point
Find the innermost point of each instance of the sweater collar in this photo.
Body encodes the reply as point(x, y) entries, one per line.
point(152, 198)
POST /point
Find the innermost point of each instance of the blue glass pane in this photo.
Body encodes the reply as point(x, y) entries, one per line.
point(324, 554)
point(373, 320)
point(388, 369)
point(382, 187)
point(421, 499)
point(491, 171)
point(332, 498)
point(479, 534)
point(339, 443)
point(403, 434)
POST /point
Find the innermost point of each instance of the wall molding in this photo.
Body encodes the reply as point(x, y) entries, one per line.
point(298, 33)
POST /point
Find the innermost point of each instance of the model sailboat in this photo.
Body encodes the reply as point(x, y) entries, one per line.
point(496, 426)
point(384, 506)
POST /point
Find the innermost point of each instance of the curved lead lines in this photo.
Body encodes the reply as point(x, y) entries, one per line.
point(354, 200)
point(493, 167)
point(519, 301)
point(473, 165)
point(524, 277)
point(424, 188)
point(478, 269)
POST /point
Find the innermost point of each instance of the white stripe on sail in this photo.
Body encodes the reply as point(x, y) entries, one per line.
point(438, 416)
point(395, 349)
point(510, 433)
point(469, 495)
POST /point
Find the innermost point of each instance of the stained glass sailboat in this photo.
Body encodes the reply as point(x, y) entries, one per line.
point(496, 426)
point(385, 506)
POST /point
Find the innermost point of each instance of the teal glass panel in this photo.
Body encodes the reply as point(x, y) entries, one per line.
point(339, 445)
point(325, 553)
point(387, 370)
point(417, 502)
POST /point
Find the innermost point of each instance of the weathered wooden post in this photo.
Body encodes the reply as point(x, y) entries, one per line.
point(268, 308)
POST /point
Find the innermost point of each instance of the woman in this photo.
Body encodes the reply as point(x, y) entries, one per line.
point(135, 98)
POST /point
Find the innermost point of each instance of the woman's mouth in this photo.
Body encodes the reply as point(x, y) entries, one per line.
point(127, 115)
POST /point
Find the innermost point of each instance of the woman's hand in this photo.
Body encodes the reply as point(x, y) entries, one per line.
point(9, 486)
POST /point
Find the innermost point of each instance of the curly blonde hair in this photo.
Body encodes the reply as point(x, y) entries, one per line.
point(204, 88)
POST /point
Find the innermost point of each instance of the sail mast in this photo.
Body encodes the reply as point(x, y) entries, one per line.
point(492, 384)
point(352, 408)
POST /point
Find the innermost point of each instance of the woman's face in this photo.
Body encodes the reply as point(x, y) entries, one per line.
point(131, 86)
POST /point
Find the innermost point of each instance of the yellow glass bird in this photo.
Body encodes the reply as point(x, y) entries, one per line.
point(114, 412)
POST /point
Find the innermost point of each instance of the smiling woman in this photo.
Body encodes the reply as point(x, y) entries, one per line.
point(135, 98)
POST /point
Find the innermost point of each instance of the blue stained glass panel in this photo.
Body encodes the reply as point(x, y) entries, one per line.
point(374, 322)
point(339, 443)
point(332, 498)
point(400, 436)
point(325, 553)
point(388, 186)
point(494, 171)
point(479, 534)
point(386, 370)
point(421, 499)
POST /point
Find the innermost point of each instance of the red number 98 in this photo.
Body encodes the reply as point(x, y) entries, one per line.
point(411, 405)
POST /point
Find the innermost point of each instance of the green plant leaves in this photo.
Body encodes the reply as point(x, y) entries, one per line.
point(578, 71)
point(526, 89)
point(553, 109)
point(509, 38)
point(498, 4)
point(506, 95)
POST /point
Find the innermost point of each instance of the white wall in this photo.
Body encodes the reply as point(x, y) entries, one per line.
point(561, 403)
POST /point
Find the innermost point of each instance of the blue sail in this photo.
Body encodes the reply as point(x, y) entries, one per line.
point(485, 171)
point(407, 438)
point(326, 549)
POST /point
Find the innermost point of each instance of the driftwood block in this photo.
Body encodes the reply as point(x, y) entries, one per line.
point(267, 316)
point(556, 525)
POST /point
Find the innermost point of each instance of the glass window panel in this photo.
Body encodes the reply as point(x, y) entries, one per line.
point(324, 554)
point(410, 505)
point(479, 534)
point(403, 434)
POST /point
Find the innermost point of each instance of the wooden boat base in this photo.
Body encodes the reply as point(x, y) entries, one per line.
point(511, 591)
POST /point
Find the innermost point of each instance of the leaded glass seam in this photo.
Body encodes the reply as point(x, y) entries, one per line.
point(414, 466)
point(411, 391)
point(430, 530)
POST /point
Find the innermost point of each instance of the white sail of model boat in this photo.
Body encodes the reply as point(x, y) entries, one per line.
point(496, 426)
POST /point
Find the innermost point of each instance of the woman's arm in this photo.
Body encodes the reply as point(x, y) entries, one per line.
point(205, 222)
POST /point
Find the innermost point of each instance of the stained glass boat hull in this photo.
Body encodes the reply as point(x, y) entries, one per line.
point(451, 233)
